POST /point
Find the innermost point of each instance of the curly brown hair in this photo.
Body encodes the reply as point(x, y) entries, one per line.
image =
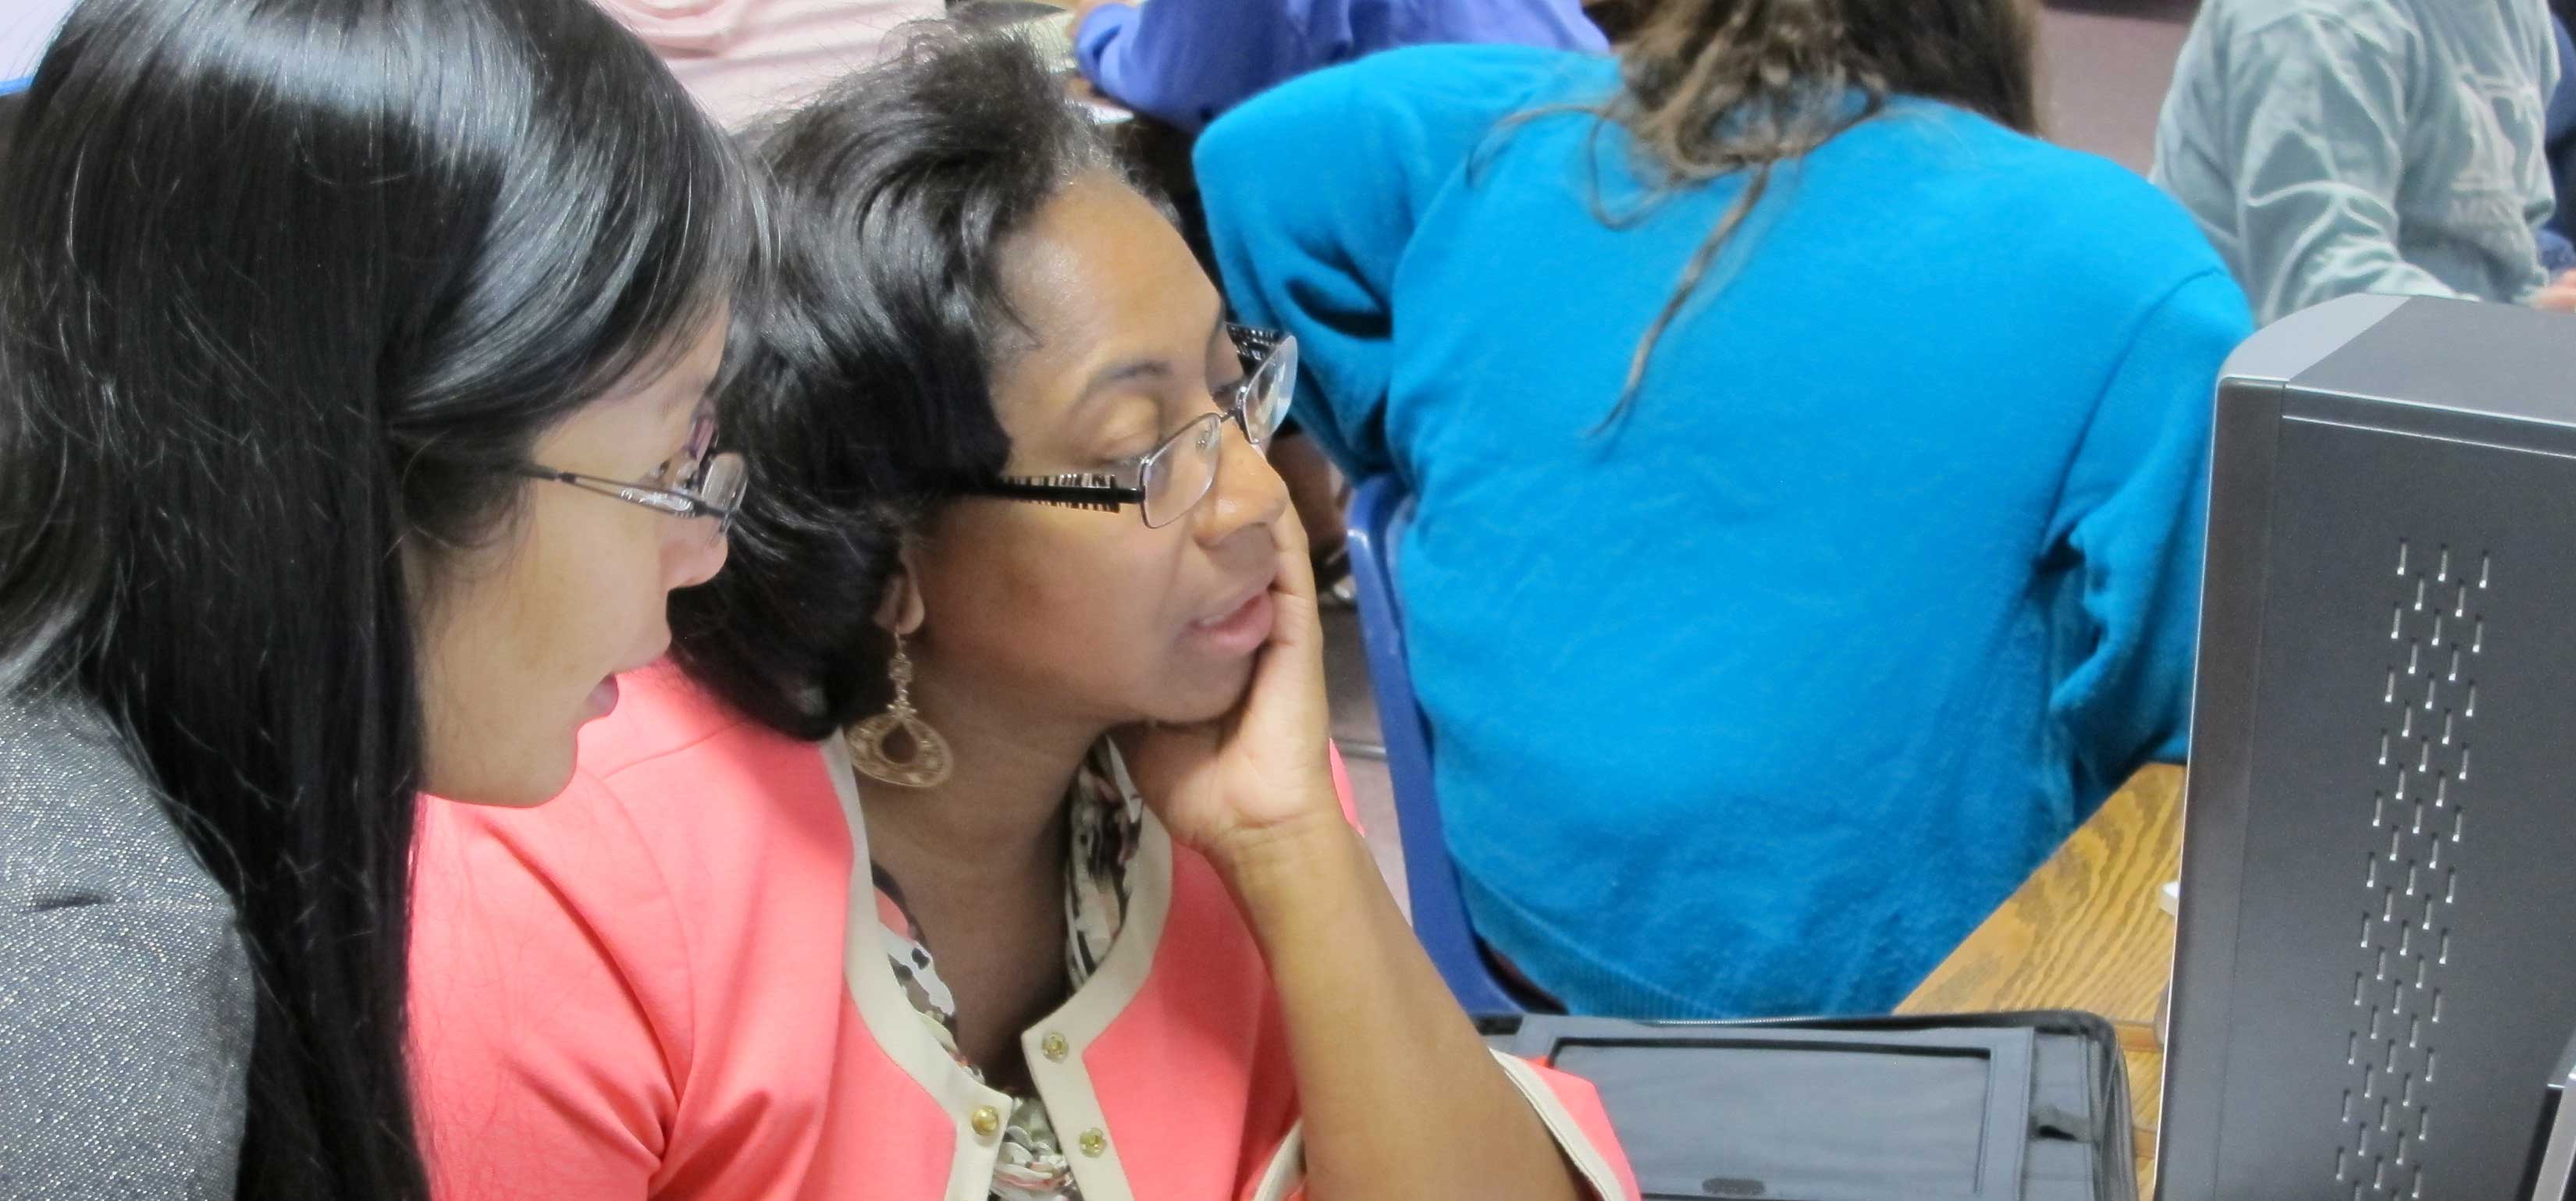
point(1713, 87)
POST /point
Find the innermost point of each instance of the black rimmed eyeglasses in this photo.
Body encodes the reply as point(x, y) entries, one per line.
point(711, 486)
point(1171, 480)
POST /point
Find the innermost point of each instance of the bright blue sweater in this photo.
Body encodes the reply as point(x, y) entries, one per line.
point(1760, 701)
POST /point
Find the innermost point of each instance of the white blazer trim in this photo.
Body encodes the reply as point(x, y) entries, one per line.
point(1589, 1162)
point(892, 1021)
point(1073, 1106)
point(1287, 1168)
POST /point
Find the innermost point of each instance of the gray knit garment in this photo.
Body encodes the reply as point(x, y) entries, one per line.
point(125, 991)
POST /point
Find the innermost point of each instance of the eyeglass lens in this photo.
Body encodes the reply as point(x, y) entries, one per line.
point(721, 483)
point(1181, 471)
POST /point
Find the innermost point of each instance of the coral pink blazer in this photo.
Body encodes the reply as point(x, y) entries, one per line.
point(669, 983)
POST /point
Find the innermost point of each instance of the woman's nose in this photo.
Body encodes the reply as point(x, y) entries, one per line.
point(693, 553)
point(1247, 491)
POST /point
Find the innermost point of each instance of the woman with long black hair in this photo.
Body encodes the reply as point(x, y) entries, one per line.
point(354, 427)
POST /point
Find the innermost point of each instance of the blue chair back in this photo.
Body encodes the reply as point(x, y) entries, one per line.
point(1381, 509)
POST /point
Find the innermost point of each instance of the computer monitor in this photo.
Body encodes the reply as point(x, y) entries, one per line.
point(2376, 963)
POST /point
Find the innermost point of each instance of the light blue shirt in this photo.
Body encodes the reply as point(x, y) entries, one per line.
point(2329, 147)
point(1759, 701)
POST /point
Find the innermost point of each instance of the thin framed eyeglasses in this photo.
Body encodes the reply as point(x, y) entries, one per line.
point(1169, 481)
point(709, 486)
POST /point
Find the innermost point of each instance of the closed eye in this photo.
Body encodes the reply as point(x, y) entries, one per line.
point(1126, 452)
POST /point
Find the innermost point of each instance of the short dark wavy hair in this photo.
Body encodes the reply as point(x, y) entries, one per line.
point(865, 397)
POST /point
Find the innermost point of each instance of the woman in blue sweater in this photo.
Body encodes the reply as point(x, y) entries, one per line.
point(1810, 468)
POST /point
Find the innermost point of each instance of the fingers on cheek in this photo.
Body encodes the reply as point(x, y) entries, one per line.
point(1288, 530)
point(1290, 535)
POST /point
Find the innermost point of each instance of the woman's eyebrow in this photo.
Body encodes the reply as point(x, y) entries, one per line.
point(1125, 372)
point(689, 394)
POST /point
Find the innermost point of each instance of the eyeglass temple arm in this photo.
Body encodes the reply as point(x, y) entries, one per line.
point(1063, 490)
point(676, 501)
point(1253, 343)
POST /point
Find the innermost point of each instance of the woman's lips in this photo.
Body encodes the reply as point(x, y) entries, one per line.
point(603, 699)
point(1240, 630)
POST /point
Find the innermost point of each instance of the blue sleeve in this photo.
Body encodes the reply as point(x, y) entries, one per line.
point(1312, 191)
point(2131, 513)
point(2557, 253)
point(1185, 61)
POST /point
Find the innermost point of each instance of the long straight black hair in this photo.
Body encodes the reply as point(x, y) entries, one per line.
point(285, 287)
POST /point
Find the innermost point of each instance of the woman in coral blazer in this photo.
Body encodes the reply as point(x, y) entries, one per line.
point(983, 842)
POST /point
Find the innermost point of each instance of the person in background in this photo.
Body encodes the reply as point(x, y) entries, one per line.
point(314, 462)
point(2329, 147)
point(1774, 613)
point(2559, 255)
point(744, 59)
point(985, 842)
point(1185, 61)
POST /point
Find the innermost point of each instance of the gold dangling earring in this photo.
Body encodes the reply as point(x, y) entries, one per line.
point(928, 765)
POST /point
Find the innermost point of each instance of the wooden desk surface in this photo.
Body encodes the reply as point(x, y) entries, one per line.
point(2086, 932)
